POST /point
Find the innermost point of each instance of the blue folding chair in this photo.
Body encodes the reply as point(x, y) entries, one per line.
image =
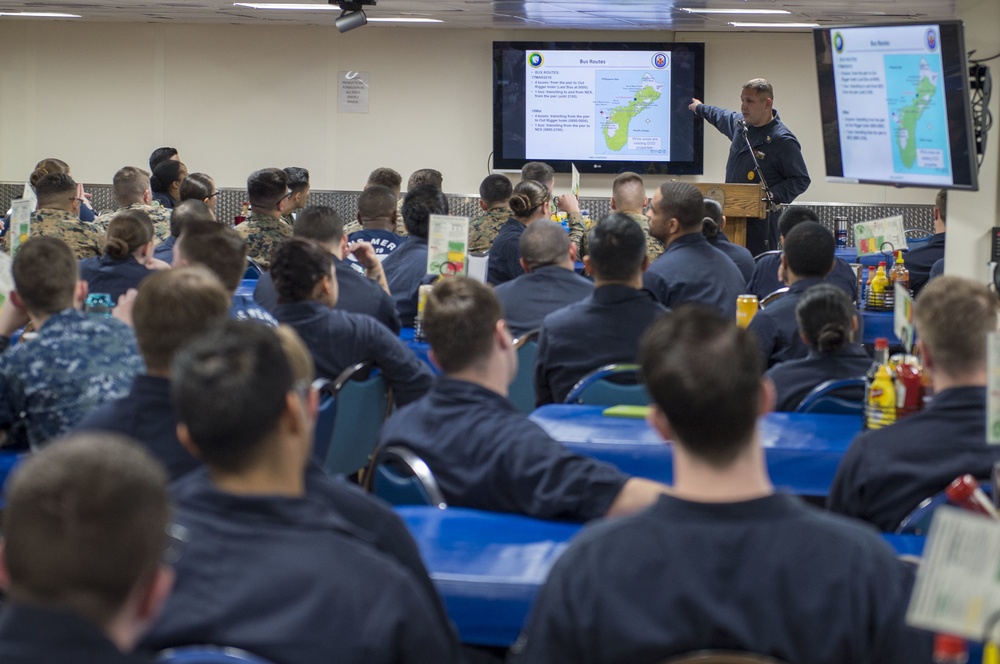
point(522, 390)
point(324, 419)
point(8, 461)
point(254, 270)
point(835, 397)
point(361, 402)
point(400, 477)
point(919, 520)
point(611, 385)
point(208, 655)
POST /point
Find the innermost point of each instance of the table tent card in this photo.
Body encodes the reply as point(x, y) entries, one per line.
point(871, 237)
point(448, 245)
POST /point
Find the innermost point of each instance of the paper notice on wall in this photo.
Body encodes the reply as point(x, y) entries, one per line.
point(352, 92)
point(20, 223)
point(882, 235)
point(448, 245)
point(958, 585)
point(993, 389)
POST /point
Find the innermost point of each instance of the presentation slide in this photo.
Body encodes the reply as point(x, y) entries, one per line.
point(597, 105)
point(891, 106)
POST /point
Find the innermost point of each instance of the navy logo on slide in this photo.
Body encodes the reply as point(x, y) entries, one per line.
point(838, 42)
point(535, 59)
point(660, 60)
point(931, 38)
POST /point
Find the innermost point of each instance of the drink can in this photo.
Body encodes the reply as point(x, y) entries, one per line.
point(99, 304)
point(840, 223)
point(746, 309)
point(422, 293)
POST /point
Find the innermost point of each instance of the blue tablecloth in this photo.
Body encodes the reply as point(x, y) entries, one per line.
point(490, 566)
point(878, 324)
point(802, 450)
point(421, 349)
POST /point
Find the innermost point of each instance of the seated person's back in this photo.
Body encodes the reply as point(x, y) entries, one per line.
point(483, 453)
point(494, 198)
point(126, 261)
point(58, 216)
point(920, 260)
point(723, 563)
point(377, 216)
point(886, 473)
point(550, 283)
point(712, 228)
point(809, 253)
point(306, 281)
point(74, 363)
point(690, 269)
point(529, 203)
point(827, 322)
point(604, 328)
point(267, 566)
point(406, 267)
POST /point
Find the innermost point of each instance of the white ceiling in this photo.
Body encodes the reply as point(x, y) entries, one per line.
point(529, 14)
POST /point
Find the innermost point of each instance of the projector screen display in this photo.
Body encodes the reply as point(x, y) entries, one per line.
point(601, 107)
point(895, 105)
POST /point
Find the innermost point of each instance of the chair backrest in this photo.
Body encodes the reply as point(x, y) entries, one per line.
point(758, 257)
point(522, 390)
point(208, 655)
point(722, 657)
point(254, 270)
point(918, 234)
point(919, 520)
point(611, 385)
point(774, 295)
point(836, 397)
point(400, 477)
point(360, 403)
point(324, 419)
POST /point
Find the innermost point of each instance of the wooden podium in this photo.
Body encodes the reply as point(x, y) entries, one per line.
point(739, 203)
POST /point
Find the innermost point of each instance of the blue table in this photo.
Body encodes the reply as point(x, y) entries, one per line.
point(421, 349)
point(878, 324)
point(490, 566)
point(802, 450)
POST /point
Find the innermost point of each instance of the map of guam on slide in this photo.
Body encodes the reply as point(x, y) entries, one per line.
point(616, 120)
point(919, 117)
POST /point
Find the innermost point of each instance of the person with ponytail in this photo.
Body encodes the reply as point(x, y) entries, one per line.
point(712, 226)
point(529, 202)
point(827, 323)
point(166, 182)
point(127, 258)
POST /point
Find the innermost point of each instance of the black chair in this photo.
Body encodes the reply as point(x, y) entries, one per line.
point(758, 257)
point(400, 477)
point(774, 295)
point(610, 385)
point(836, 397)
point(722, 657)
point(522, 390)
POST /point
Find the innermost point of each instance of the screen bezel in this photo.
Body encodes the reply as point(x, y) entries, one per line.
point(503, 125)
point(955, 71)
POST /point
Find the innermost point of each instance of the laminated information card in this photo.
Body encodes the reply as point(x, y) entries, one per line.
point(871, 237)
point(448, 245)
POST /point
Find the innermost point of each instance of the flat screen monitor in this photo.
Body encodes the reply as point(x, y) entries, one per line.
point(603, 107)
point(894, 101)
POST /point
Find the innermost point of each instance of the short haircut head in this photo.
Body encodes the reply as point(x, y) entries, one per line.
point(794, 215)
point(684, 202)
point(810, 249)
point(165, 174)
point(941, 203)
point(528, 195)
point(85, 524)
point(172, 308)
point(617, 248)
point(712, 221)
point(47, 167)
point(320, 223)
point(495, 188)
point(267, 187)
point(130, 184)
point(760, 86)
point(376, 202)
point(704, 373)
point(297, 266)
point(425, 177)
point(128, 231)
point(187, 211)
point(56, 188)
point(228, 387)
point(418, 206)
point(825, 315)
point(45, 274)
point(628, 191)
point(298, 178)
point(459, 318)
point(161, 155)
point(544, 242)
point(953, 317)
point(216, 246)
point(196, 186)
point(538, 171)
point(386, 177)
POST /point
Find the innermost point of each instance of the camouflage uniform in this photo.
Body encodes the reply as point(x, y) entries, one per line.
point(160, 216)
point(85, 240)
point(76, 363)
point(578, 232)
point(355, 226)
point(484, 228)
point(653, 246)
point(263, 233)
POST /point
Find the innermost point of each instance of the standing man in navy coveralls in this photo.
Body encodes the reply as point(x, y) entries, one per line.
point(778, 153)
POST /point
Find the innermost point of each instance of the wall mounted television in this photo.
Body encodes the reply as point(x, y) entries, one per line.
point(894, 102)
point(603, 107)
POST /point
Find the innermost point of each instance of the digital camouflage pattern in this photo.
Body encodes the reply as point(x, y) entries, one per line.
point(263, 234)
point(484, 228)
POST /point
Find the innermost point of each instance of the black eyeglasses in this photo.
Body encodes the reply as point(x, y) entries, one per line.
point(214, 194)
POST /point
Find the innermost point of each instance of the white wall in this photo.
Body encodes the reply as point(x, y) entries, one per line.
point(237, 98)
